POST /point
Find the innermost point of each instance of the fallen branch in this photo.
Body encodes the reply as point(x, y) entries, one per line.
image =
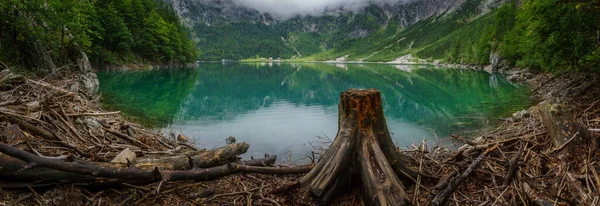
point(128, 138)
point(535, 197)
point(43, 84)
point(34, 129)
point(84, 168)
point(76, 167)
point(200, 159)
point(230, 194)
point(512, 168)
point(442, 198)
point(463, 140)
point(564, 144)
point(94, 114)
point(215, 172)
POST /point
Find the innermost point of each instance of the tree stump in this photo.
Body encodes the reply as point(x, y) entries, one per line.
point(362, 153)
point(568, 134)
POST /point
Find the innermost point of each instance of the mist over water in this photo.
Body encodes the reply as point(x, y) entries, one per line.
point(282, 108)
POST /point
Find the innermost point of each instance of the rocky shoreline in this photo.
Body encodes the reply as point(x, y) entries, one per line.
point(527, 166)
point(128, 67)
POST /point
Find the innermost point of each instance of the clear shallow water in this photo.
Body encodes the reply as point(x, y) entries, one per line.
point(280, 108)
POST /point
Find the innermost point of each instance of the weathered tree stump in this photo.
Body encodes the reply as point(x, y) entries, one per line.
point(566, 132)
point(362, 153)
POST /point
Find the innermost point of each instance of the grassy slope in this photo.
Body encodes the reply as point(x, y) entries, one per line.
point(460, 37)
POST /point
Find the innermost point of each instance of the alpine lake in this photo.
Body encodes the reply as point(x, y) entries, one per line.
point(286, 109)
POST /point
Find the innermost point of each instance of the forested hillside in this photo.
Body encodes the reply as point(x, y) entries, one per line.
point(109, 31)
point(549, 34)
point(290, 39)
point(227, 30)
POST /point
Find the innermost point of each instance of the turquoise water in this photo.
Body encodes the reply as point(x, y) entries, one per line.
point(281, 108)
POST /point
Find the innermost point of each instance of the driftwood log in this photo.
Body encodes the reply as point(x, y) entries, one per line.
point(200, 159)
point(361, 155)
point(24, 165)
point(8, 77)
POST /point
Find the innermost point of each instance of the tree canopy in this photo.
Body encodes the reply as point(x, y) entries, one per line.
point(111, 31)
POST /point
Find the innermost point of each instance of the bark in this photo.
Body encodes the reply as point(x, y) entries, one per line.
point(131, 140)
point(362, 153)
point(200, 159)
point(8, 77)
point(442, 197)
point(567, 134)
point(46, 134)
point(22, 165)
point(14, 176)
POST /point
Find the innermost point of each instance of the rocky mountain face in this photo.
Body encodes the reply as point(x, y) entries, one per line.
point(217, 25)
point(220, 12)
point(217, 12)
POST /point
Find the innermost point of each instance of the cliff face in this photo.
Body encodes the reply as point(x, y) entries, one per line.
point(218, 24)
point(219, 12)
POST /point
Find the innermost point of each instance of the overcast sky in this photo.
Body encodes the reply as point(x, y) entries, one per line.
point(290, 8)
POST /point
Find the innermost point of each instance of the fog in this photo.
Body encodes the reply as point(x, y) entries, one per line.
point(291, 8)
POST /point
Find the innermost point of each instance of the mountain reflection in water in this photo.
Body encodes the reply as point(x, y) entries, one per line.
point(279, 108)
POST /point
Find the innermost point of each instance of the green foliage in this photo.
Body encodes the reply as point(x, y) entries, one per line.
point(530, 36)
point(533, 35)
point(241, 41)
point(112, 31)
point(557, 43)
point(470, 44)
point(291, 39)
point(146, 29)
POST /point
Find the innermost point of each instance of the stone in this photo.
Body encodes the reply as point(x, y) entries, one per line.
point(521, 114)
point(496, 60)
point(92, 123)
point(84, 63)
point(33, 105)
point(87, 81)
point(88, 84)
point(123, 156)
point(489, 69)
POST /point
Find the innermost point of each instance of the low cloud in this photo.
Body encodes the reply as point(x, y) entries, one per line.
point(290, 8)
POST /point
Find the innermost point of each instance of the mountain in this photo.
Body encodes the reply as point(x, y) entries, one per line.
point(226, 30)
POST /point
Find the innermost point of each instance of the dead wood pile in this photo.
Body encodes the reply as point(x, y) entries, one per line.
point(546, 155)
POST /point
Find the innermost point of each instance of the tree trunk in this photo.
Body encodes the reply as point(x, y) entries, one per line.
point(567, 133)
point(362, 153)
point(200, 159)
